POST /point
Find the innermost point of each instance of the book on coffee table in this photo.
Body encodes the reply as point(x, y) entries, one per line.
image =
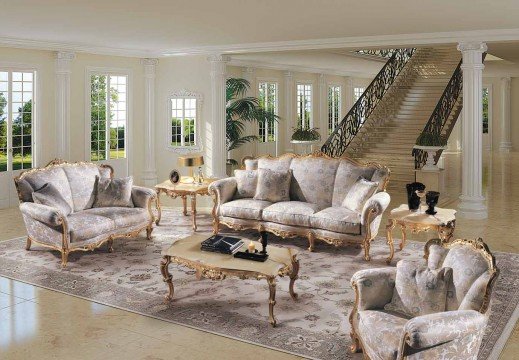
point(222, 244)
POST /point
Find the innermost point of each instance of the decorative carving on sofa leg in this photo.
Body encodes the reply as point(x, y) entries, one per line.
point(110, 245)
point(311, 241)
point(367, 245)
point(355, 343)
point(149, 230)
point(28, 244)
point(64, 258)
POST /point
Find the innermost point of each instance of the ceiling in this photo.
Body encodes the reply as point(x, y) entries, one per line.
point(169, 26)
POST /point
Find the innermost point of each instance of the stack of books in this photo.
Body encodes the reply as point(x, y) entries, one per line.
point(222, 244)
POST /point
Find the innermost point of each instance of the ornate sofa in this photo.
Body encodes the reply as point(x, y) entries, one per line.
point(453, 333)
point(318, 186)
point(85, 228)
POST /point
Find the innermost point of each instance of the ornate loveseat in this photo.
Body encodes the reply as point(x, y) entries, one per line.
point(454, 332)
point(318, 187)
point(85, 228)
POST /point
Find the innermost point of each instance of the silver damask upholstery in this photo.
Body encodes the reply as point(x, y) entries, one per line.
point(85, 228)
point(318, 186)
point(452, 333)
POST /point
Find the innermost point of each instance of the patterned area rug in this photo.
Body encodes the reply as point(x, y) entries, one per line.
point(316, 326)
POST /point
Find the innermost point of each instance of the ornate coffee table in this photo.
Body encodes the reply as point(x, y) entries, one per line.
point(443, 222)
point(216, 266)
point(182, 190)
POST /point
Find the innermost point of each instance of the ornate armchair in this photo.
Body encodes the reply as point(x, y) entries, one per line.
point(455, 333)
point(83, 227)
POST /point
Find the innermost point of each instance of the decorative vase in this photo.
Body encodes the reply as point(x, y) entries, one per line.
point(431, 199)
point(431, 151)
point(413, 201)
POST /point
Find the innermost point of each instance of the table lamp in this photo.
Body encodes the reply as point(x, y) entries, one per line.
point(191, 162)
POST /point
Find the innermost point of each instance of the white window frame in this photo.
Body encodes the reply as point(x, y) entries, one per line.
point(185, 94)
point(355, 87)
point(311, 120)
point(99, 71)
point(339, 106)
point(489, 86)
point(276, 107)
point(36, 129)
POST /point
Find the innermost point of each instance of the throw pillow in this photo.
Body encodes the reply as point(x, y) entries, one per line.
point(273, 186)
point(49, 195)
point(113, 192)
point(359, 193)
point(246, 181)
point(419, 290)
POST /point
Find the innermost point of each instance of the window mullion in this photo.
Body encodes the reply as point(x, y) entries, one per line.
point(107, 117)
point(182, 121)
point(9, 121)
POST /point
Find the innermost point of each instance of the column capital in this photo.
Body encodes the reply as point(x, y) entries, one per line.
point(249, 70)
point(218, 58)
point(63, 61)
point(322, 79)
point(288, 74)
point(506, 81)
point(65, 55)
point(149, 67)
point(149, 62)
point(477, 46)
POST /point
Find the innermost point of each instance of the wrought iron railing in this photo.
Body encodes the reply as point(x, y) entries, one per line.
point(346, 131)
point(441, 115)
point(381, 53)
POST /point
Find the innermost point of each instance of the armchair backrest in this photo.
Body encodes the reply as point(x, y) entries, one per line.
point(473, 271)
point(76, 181)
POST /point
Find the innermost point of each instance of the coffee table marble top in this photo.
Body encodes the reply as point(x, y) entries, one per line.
point(442, 217)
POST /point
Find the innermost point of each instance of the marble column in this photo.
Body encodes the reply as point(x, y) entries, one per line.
point(218, 149)
point(149, 174)
point(289, 109)
point(506, 143)
point(348, 95)
point(63, 63)
point(251, 128)
point(322, 122)
point(472, 203)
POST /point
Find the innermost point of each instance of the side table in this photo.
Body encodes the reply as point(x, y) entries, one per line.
point(443, 222)
point(182, 190)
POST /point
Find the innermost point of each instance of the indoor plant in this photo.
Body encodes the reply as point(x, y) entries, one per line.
point(302, 135)
point(430, 142)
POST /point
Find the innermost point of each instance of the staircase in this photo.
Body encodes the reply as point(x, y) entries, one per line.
point(423, 88)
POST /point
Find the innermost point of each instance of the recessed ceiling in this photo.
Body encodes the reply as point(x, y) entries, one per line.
point(169, 25)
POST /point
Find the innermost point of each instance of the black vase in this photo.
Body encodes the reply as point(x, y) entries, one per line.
point(413, 201)
point(431, 199)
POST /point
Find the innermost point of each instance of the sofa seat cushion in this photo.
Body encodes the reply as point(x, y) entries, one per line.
point(82, 179)
point(244, 209)
point(83, 226)
point(122, 216)
point(337, 219)
point(296, 213)
point(381, 332)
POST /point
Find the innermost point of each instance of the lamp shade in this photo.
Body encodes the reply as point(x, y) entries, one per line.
point(191, 160)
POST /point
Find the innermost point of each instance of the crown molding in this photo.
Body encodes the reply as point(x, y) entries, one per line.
point(78, 48)
point(297, 68)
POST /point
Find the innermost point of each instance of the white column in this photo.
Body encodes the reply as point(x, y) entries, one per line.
point(149, 174)
point(322, 123)
point(505, 144)
point(63, 63)
point(348, 95)
point(289, 109)
point(217, 147)
point(472, 203)
point(251, 128)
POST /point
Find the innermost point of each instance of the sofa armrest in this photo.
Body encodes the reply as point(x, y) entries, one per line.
point(373, 287)
point(438, 328)
point(141, 196)
point(376, 204)
point(223, 190)
point(43, 213)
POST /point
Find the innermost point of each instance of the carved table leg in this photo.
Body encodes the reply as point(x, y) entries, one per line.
point(367, 245)
point(64, 258)
point(389, 237)
point(168, 279)
point(445, 232)
point(159, 209)
point(311, 241)
point(272, 299)
point(293, 277)
point(404, 238)
point(184, 204)
point(28, 244)
point(110, 245)
point(193, 210)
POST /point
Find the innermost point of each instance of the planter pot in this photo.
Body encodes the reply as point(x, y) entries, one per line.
point(307, 144)
point(431, 152)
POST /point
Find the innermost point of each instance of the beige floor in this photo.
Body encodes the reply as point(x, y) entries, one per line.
point(42, 324)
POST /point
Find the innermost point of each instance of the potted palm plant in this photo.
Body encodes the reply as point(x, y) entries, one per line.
point(431, 143)
point(241, 109)
point(305, 137)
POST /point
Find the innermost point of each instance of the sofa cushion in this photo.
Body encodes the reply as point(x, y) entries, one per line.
point(82, 179)
point(53, 175)
point(295, 213)
point(122, 216)
point(281, 164)
point(244, 209)
point(313, 179)
point(246, 183)
point(419, 290)
point(49, 195)
point(251, 164)
point(359, 193)
point(273, 186)
point(83, 226)
point(381, 332)
point(347, 175)
point(114, 192)
point(337, 219)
